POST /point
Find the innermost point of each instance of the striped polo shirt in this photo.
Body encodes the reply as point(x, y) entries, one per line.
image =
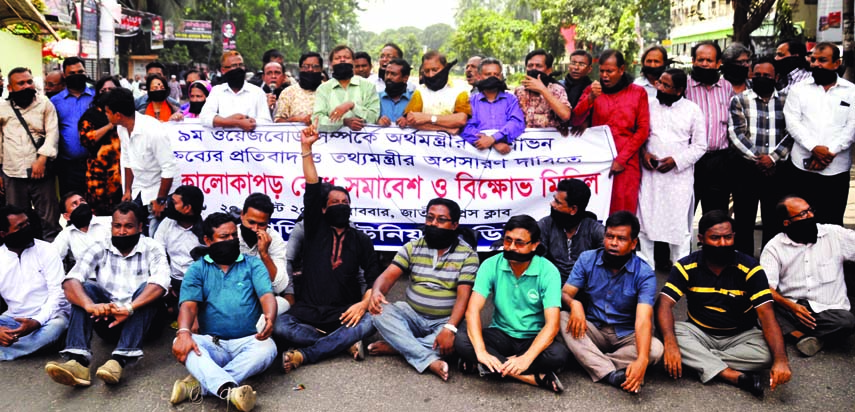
point(720, 305)
point(434, 279)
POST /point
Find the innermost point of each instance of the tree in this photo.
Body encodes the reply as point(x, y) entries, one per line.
point(491, 33)
point(434, 36)
point(316, 24)
point(748, 15)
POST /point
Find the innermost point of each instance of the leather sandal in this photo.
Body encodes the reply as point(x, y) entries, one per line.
point(549, 381)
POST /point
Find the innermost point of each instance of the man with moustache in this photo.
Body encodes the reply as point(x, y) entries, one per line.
point(623, 106)
point(577, 80)
point(70, 104)
point(654, 62)
point(542, 98)
point(471, 72)
point(297, 101)
point(235, 103)
point(791, 64)
point(437, 104)
point(54, 83)
point(29, 137)
point(395, 98)
point(389, 52)
point(273, 83)
point(345, 100)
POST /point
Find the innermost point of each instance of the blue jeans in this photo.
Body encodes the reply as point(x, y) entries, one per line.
point(409, 333)
point(228, 361)
point(316, 346)
point(129, 333)
point(49, 333)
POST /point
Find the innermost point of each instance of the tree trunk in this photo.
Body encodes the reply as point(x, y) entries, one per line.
point(746, 19)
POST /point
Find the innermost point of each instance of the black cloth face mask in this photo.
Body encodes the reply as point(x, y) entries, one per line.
point(734, 73)
point(719, 255)
point(310, 80)
point(81, 216)
point(786, 65)
point(22, 239)
point(439, 238)
point(196, 107)
point(802, 231)
point(158, 95)
point(614, 261)
point(621, 84)
point(249, 236)
point(667, 99)
point(128, 242)
point(440, 79)
point(545, 78)
point(76, 82)
point(565, 221)
point(395, 89)
point(224, 252)
point(517, 256)
point(492, 83)
point(23, 98)
point(656, 72)
point(823, 77)
point(338, 215)
point(342, 71)
point(235, 78)
point(763, 86)
point(706, 76)
point(51, 94)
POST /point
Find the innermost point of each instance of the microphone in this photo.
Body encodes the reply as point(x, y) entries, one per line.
point(272, 86)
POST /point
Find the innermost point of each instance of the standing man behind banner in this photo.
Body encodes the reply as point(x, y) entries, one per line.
point(346, 100)
point(235, 103)
point(436, 104)
point(615, 102)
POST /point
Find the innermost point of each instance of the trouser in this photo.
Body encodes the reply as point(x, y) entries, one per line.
point(410, 333)
point(833, 326)
point(228, 361)
point(601, 351)
point(316, 345)
point(713, 180)
point(751, 187)
point(709, 355)
point(625, 187)
point(827, 195)
point(39, 194)
point(71, 174)
point(46, 335)
point(678, 251)
point(151, 221)
point(129, 334)
point(502, 346)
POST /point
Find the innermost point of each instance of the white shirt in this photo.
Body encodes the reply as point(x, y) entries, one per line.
point(250, 101)
point(816, 117)
point(648, 87)
point(74, 240)
point(32, 285)
point(276, 250)
point(178, 243)
point(148, 153)
point(814, 271)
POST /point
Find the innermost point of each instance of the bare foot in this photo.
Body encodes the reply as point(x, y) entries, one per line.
point(439, 368)
point(381, 348)
point(291, 360)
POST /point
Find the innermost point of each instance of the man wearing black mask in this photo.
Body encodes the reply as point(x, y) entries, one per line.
point(577, 80)
point(542, 99)
point(54, 83)
point(437, 104)
point(569, 229)
point(497, 119)
point(763, 145)
point(821, 118)
point(805, 269)
point(297, 101)
point(83, 230)
point(29, 137)
point(339, 266)
point(235, 103)
point(345, 100)
point(423, 328)
point(259, 239)
point(70, 104)
point(736, 63)
point(791, 64)
point(611, 334)
point(705, 87)
point(395, 98)
point(654, 61)
point(115, 291)
point(726, 293)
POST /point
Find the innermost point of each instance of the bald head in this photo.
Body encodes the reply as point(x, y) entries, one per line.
point(54, 83)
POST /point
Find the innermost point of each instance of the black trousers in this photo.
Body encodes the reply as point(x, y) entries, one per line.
point(827, 195)
point(713, 180)
point(832, 326)
point(751, 186)
point(501, 345)
point(71, 175)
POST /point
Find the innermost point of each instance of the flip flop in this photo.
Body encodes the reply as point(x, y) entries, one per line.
point(549, 381)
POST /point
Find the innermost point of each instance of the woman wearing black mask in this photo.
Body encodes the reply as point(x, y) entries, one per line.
point(297, 101)
point(158, 107)
point(99, 137)
point(198, 93)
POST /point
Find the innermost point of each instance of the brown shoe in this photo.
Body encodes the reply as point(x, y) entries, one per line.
point(110, 372)
point(70, 373)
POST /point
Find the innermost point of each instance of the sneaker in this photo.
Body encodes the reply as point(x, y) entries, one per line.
point(809, 345)
point(184, 389)
point(110, 372)
point(243, 398)
point(70, 373)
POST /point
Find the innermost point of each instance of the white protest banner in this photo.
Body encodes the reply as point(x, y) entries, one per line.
point(392, 173)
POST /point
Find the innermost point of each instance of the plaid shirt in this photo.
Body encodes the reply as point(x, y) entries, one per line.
point(119, 275)
point(758, 128)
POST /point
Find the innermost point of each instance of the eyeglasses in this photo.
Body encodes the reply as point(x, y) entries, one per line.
point(307, 67)
point(801, 214)
point(517, 242)
point(665, 85)
point(234, 66)
point(438, 219)
point(578, 64)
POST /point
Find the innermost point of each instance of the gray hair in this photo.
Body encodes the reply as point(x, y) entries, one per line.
point(488, 61)
point(732, 52)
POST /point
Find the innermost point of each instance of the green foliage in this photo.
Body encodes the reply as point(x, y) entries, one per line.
point(177, 54)
point(492, 33)
point(784, 27)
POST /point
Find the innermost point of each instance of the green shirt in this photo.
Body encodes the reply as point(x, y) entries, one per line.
point(520, 302)
point(330, 95)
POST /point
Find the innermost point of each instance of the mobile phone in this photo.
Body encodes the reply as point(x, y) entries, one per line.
point(654, 163)
point(805, 162)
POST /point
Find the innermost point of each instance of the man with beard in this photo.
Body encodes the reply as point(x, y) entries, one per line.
point(257, 238)
point(791, 64)
point(274, 82)
point(569, 229)
point(70, 104)
point(347, 100)
point(395, 98)
point(736, 63)
point(441, 267)
point(389, 52)
point(235, 103)
point(83, 230)
point(611, 335)
point(525, 289)
point(541, 98)
point(677, 140)
point(623, 107)
point(54, 83)
point(339, 266)
point(654, 61)
point(471, 72)
point(437, 104)
point(114, 291)
point(297, 101)
point(497, 119)
point(224, 293)
point(726, 293)
point(821, 119)
point(577, 80)
point(758, 132)
point(28, 138)
point(30, 277)
point(805, 269)
point(706, 88)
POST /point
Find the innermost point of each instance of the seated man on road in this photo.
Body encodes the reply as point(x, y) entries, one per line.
point(805, 270)
point(31, 285)
point(226, 292)
point(441, 267)
point(82, 231)
point(437, 104)
point(527, 296)
point(611, 335)
point(726, 293)
point(114, 291)
point(258, 239)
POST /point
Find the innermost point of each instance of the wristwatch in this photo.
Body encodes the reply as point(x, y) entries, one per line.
point(433, 119)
